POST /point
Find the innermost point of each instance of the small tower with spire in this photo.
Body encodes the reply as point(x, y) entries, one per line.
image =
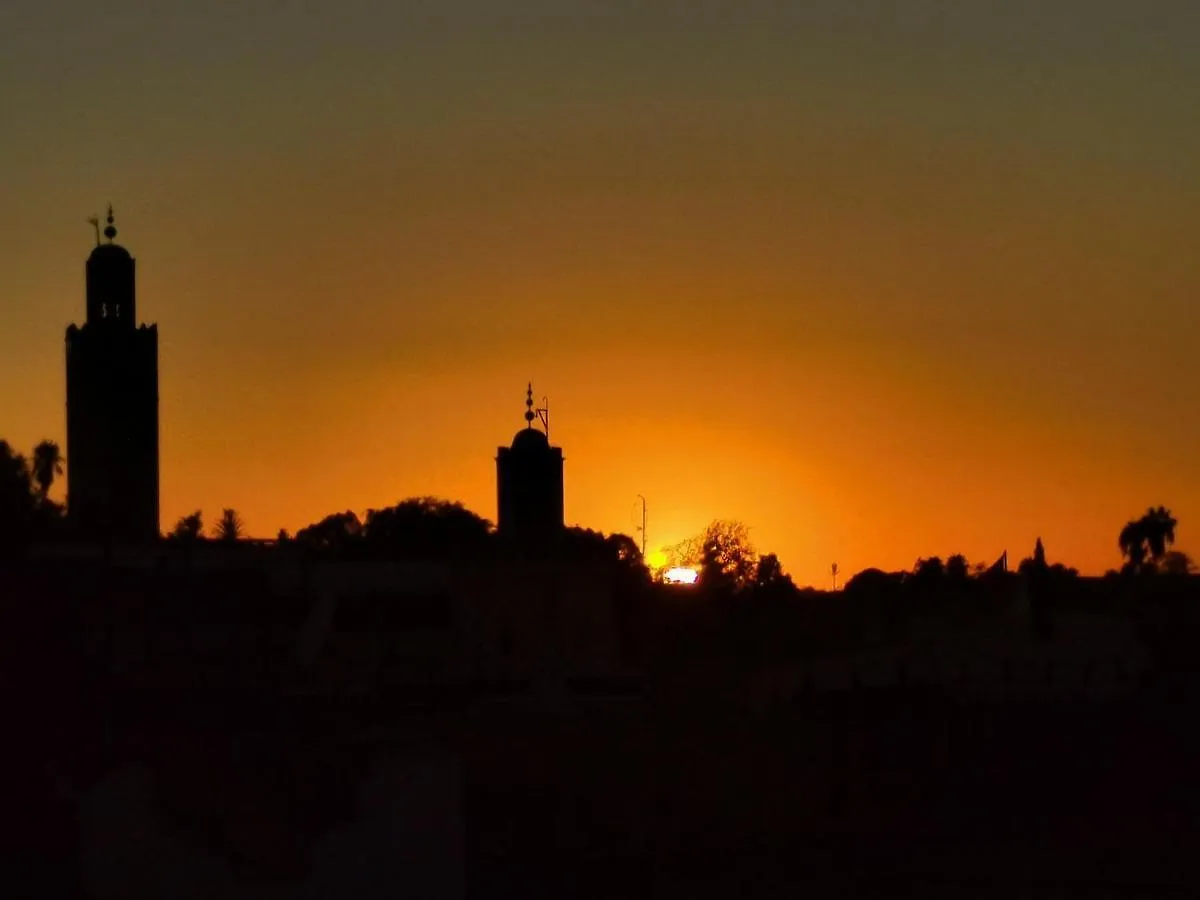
point(529, 480)
point(112, 403)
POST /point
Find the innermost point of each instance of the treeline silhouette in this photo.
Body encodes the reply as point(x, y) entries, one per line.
point(435, 529)
point(693, 796)
point(418, 528)
point(26, 511)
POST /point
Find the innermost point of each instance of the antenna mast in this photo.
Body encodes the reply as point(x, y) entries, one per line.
point(543, 414)
point(642, 529)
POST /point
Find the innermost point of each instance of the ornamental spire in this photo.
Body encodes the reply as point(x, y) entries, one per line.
point(110, 230)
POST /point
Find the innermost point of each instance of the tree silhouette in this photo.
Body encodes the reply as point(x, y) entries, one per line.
point(929, 569)
point(1176, 562)
point(769, 578)
point(26, 512)
point(189, 527)
point(625, 549)
point(335, 533)
point(769, 571)
point(957, 567)
point(16, 497)
point(46, 464)
point(872, 581)
point(727, 558)
point(425, 527)
point(1145, 541)
point(229, 527)
point(617, 552)
point(721, 553)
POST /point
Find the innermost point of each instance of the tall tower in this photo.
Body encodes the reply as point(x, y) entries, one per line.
point(112, 405)
point(529, 480)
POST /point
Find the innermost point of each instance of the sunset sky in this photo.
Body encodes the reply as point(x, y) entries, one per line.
point(881, 279)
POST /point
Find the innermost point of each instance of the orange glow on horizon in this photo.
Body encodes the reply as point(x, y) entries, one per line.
point(857, 286)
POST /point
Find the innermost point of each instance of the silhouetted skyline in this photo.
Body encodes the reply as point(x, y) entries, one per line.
point(881, 281)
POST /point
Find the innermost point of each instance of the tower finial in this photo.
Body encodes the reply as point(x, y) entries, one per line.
point(94, 221)
point(529, 415)
point(110, 230)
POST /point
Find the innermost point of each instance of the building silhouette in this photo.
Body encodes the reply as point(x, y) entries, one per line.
point(112, 405)
point(529, 481)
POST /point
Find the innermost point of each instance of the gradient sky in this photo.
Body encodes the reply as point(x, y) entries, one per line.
point(881, 279)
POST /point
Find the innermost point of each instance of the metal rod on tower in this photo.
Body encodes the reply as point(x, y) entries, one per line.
point(643, 528)
point(544, 415)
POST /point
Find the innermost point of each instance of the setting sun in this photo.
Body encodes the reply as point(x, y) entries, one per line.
point(681, 575)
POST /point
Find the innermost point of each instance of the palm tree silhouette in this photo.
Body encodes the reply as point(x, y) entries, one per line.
point(189, 527)
point(16, 500)
point(46, 464)
point(1145, 541)
point(229, 527)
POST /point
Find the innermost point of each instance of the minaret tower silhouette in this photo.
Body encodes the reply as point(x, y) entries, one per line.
point(112, 404)
point(529, 480)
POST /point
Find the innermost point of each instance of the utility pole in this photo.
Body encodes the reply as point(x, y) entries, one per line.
point(642, 528)
point(834, 570)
